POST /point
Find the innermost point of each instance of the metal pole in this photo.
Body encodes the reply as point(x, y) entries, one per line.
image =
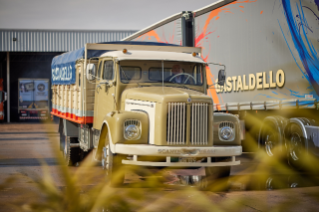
point(8, 87)
point(83, 89)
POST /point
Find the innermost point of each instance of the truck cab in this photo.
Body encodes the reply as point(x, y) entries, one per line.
point(150, 108)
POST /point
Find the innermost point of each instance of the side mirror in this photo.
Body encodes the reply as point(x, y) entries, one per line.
point(221, 74)
point(221, 77)
point(90, 71)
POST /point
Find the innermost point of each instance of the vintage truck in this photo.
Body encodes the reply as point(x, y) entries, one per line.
point(142, 104)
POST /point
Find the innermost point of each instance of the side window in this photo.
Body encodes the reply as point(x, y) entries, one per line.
point(108, 70)
point(99, 71)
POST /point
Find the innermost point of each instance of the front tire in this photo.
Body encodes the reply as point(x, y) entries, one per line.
point(112, 163)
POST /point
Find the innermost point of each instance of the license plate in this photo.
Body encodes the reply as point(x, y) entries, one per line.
point(187, 160)
point(23, 114)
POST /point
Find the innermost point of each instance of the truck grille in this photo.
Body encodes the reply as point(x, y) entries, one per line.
point(199, 124)
point(177, 122)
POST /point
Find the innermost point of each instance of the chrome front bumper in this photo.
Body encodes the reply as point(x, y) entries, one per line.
point(169, 151)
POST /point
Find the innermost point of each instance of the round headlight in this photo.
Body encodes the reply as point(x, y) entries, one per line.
point(132, 132)
point(226, 132)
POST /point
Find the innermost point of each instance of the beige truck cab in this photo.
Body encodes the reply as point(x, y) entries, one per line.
point(142, 105)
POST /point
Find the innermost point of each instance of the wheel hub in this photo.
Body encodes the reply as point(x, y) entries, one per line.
point(295, 146)
point(105, 158)
point(269, 146)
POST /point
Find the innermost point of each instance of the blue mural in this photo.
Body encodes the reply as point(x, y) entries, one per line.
point(299, 30)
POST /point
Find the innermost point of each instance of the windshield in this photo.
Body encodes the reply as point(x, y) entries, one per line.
point(155, 71)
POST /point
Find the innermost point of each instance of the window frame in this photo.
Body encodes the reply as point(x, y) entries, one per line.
point(201, 74)
point(99, 71)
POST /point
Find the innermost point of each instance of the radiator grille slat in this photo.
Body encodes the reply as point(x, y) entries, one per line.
point(176, 124)
point(199, 124)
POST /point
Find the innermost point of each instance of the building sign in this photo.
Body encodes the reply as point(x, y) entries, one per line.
point(260, 80)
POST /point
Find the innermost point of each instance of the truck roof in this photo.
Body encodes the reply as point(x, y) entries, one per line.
point(153, 55)
point(63, 66)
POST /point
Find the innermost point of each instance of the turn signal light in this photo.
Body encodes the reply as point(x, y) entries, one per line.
point(124, 51)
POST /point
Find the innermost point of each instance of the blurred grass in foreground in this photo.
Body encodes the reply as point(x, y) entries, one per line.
point(85, 188)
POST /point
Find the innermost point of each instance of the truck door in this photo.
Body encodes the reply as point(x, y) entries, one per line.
point(104, 102)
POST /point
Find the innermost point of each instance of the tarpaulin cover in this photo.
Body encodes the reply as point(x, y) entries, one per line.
point(63, 66)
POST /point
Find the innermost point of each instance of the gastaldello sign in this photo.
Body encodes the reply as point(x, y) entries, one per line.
point(260, 80)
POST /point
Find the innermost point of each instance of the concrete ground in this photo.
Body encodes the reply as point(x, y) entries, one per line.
point(24, 148)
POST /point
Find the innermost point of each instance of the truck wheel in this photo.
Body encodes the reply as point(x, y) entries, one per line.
point(112, 163)
point(270, 138)
point(216, 178)
point(62, 141)
point(71, 155)
point(296, 147)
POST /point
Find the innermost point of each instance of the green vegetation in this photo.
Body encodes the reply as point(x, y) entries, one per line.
point(86, 188)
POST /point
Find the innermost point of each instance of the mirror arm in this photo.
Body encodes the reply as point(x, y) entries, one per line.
point(93, 76)
point(219, 64)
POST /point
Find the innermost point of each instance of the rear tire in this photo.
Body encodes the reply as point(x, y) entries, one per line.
point(296, 147)
point(271, 138)
point(70, 155)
